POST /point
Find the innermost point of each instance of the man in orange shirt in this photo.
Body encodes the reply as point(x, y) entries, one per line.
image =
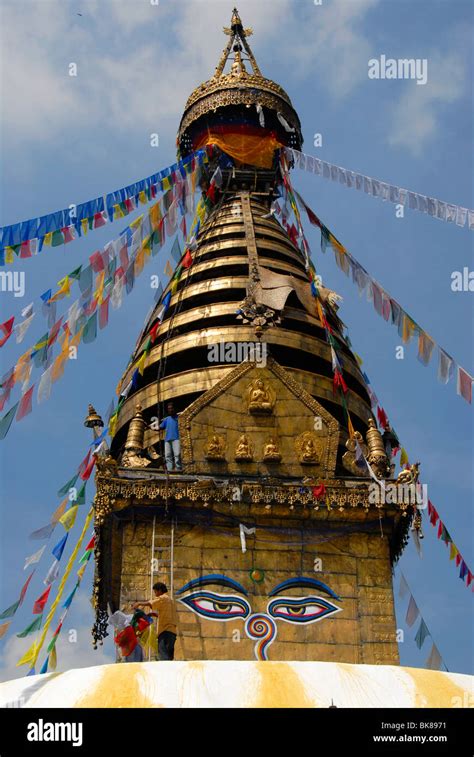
point(163, 605)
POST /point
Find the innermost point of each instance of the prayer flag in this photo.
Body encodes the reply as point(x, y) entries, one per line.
point(6, 329)
point(434, 659)
point(7, 421)
point(412, 612)
point(44, 532)
point(35, 558)
point(4, 628)
point(70, 484)
point(34, 626)
point(421, 634)
point(40, 603)
point(29, 656)
point(52, 574)
point(403, 590)
point(10, 611)
point(464, 384)
point(24, 407)
point(69, 517)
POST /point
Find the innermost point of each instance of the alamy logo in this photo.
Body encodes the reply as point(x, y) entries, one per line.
point(13, 281)
point(401, 68)
point(237, 352)
point(44, 731)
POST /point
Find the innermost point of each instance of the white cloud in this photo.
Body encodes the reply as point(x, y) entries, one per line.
point(137, 63)
point(414, 119)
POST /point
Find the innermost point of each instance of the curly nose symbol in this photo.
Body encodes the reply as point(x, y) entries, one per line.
point(263, 629)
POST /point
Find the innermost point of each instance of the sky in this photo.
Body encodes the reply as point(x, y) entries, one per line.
point(70, 139)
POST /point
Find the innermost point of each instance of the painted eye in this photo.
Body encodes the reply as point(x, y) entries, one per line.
point(301, 609)
point(215, 606)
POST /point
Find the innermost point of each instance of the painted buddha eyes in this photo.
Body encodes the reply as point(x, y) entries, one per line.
point(216, 606)
point(301, 609)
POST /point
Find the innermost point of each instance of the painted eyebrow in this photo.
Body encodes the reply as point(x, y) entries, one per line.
point(213, 578)
point(302, 582)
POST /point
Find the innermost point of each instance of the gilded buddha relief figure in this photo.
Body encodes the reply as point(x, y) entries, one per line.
point(215, 448)
point(306, 448)
point(271, 452)
point(243, 449)
point(260, 398)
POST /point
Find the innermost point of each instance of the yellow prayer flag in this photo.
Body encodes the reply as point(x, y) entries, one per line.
point(142, 197)
point(336, 244)
point(136, 223)
point(408, 328)
point(155, 215)
point(81, 571)
point(139, 262)
point(403, 457)
point(9, 256)
point(85, 225)
point(118, 212)
point(174, 286)
point(453, 551)
point(165, 184)
point(112, 424)
point(350, 426)
point(100, 287)
point(141, 364)
point(58, 367)
point(53, 659)
point(358, 358)
point(29, 656)
point(69, 517)
point(48, 238)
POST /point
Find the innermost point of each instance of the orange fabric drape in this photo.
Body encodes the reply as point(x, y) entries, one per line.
point(245, 148)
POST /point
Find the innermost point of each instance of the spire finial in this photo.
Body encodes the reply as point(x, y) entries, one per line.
point(237, 42)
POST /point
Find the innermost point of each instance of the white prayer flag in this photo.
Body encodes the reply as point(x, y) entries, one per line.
point(33, 559)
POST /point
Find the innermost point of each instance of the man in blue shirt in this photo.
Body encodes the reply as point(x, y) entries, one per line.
point(172, 445)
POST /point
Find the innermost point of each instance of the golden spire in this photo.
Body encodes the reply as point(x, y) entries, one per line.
point(237, 42)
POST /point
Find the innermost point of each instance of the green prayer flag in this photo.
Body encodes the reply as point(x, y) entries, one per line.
point(75, 274)
point(57, 238)
point(90, 329)
point(10, 611)
point(65, 489)
point(85, 556)
point(35, 626)
point(7, 421)
point(421, 634)
point(81, 495)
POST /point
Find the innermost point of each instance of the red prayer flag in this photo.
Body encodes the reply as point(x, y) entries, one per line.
point(99, 220)
point(126, 641)
point(40, 603)
point(24, 408)
point(187, 260)
point(91, 544)
point(381, 415)
point(84, 464)
point(25, 587)
point(97, 262)
point(458, 559)
point(433, 515)
point(7, 329)
point(25, 250)
point(68, 234)
point(464, 384)
point(153, 331)
point(470, 576)
point(87, 472)
point(440, 528)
